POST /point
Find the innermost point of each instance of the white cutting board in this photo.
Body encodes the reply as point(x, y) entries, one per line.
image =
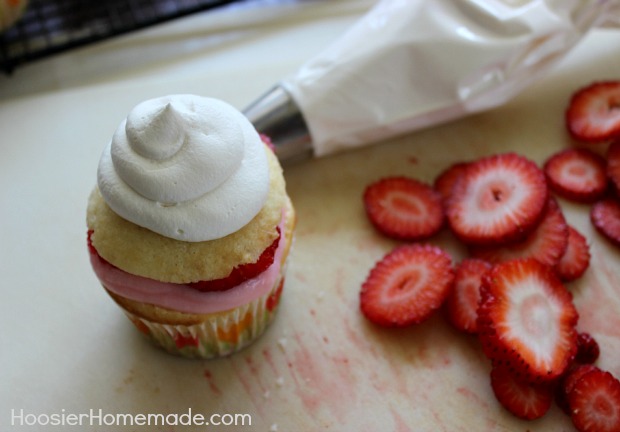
point(321, 366)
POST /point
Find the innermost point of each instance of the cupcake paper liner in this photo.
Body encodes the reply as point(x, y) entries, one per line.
point(221, 334)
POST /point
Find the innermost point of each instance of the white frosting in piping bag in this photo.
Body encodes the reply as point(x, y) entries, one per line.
point(187, 167)
point(409, 64)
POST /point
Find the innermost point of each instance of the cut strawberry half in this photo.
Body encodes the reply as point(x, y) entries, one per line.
point(524, 400)
point(605, 216)
point(547, 243)
point(593, 113)
point(527, 319)
point(577, 174)
point(613, 164)
point(462, 302)
point(407, 285)
point(594, 401)
point(446, 180)
point(404, 208)
point(497, 199)
point(576, 258)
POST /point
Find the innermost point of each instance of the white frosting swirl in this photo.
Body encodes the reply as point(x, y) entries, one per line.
point(187, 167)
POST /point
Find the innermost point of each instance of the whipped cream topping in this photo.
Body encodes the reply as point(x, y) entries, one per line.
point(186, 167)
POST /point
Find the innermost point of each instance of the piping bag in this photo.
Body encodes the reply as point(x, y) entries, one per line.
point(410, 64)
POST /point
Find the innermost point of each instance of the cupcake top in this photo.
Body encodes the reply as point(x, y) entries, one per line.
point(186, 167)
point(168, 210)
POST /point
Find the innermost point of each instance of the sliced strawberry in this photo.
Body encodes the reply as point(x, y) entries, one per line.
point(524, 400)
point(547, 243)
point(497, 199)
point(613, 164)
point(577, 174)
point(567, 382)
point(447, 178)
point(594, 402)
point(587, 348)
point(462, 303)
point(266, 139)
point(407, 285)
point(527, 319)
point(576, 258)
point(404, 208)
point(242, 272)
point(605, 216)
point(593, 113)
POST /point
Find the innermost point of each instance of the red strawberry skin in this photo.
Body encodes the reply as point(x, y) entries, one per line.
point(407, 285)
point(462, 303)
point(567, 382)
point(593, 113)
point(404, 208)
point(524, 400)
point(498, 199)
point(577, 174)
point(605, 216)
point(613, 164)
point(588, 349)
point(576, 258)
point(242, 272)
point(527, 319)
point(594, 402)
point(447, 179)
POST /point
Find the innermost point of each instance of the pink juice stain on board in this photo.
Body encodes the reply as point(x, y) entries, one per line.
point(211, 381)
point(598, 301)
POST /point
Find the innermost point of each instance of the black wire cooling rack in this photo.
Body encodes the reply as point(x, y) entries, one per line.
point(49, 27)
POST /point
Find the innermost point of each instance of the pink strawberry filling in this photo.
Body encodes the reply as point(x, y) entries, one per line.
point(182, 297)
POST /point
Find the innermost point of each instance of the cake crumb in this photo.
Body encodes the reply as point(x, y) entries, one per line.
point(282, 343)
point(273, 428)
point(280, 381)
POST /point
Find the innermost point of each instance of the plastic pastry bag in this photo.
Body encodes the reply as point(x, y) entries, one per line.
point(409, 64)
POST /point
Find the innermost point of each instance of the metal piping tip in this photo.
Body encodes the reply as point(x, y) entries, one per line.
point(276, 115)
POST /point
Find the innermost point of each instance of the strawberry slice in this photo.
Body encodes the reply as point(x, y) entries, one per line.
point(242, 272)
point(593, 113)
point(524, 400)
point(527, 319)
point(547, 243)
point(404, 208)
point(567, 382)
point(497, 199)
point(462, 302)
point(407, 285)
point(605, 216)
point(587, 348)
point(576, 259)
point(613, 164)
point(447, 178)
point(577, 174)
point(594, 401)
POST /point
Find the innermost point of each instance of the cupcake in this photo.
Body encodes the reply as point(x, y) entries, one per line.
point(190, 226)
